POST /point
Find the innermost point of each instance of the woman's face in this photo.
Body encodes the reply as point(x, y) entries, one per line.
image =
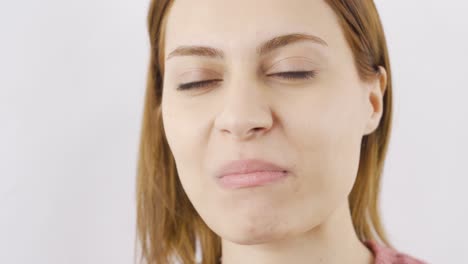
point(311, 126)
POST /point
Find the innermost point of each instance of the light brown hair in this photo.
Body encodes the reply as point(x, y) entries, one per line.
point(168, 226)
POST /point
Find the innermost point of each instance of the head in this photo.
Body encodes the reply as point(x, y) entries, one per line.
point(328, 125)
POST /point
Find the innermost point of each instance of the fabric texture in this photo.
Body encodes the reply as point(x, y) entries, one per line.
point(387, 255)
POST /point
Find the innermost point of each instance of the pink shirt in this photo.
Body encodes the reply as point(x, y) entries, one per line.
point(386, 255)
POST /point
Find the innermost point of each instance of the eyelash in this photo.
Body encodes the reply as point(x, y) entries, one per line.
point(285, 75)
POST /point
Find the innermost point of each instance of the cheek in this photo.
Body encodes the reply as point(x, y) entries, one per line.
point(325, 130)
point(175, 129)
point(183, 137)
point(184, 124)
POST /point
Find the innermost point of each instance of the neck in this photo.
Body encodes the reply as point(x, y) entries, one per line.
point(333, 241)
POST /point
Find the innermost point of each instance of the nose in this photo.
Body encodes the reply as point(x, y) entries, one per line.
point(245, 113)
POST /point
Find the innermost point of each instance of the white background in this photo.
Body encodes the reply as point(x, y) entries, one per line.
point(72, 77)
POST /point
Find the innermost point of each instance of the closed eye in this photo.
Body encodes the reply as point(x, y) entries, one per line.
point(295, 74)
point(292, 75)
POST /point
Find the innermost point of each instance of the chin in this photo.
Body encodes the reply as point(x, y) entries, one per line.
point(252, 235)
point(251, 239)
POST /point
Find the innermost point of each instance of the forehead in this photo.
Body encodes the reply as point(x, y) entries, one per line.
point(234, 25)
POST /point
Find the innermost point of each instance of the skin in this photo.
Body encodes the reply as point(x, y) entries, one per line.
point(313, 127)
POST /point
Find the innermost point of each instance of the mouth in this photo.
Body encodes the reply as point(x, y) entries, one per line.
point(250, 173)
point(253, 179)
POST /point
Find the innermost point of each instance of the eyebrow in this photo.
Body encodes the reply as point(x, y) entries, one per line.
point(264, 48)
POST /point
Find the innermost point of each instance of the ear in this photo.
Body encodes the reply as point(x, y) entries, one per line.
point(375, 94)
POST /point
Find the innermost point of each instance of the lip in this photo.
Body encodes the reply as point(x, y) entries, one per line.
point(249, 173)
